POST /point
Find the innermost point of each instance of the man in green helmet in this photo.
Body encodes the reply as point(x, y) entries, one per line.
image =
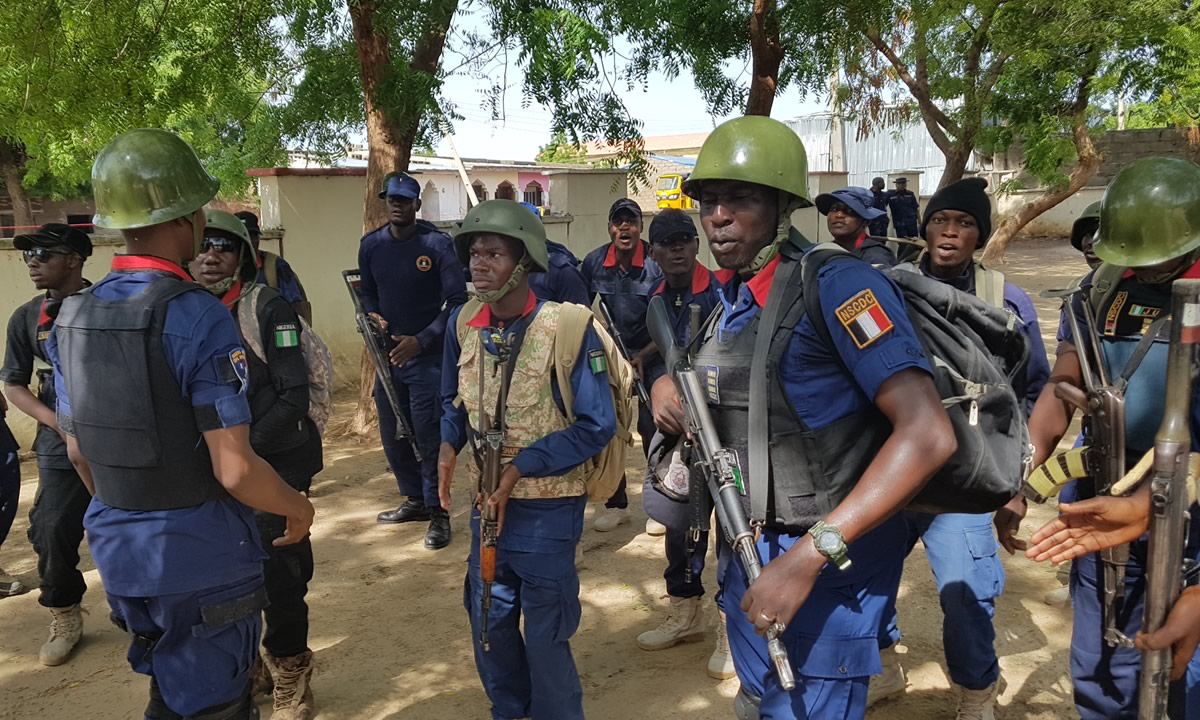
point(528, 672)
point(283, 434)
point(151, 385)
point(1149, 236)
point(833, 435)
point(1083, 233)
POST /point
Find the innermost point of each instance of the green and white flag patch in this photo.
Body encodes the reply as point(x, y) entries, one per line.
point(287, 335)
point(597, 363)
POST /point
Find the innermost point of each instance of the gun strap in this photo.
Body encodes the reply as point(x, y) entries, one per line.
point(1156, 329)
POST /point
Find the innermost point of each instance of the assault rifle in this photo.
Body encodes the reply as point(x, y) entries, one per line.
point(379, 344)
point(1102, 402)
point(488, 448)
point(1169, 497)
point(720, 469)
point(615, 332)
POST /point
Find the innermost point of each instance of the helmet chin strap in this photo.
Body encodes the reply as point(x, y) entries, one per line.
point(492, 296)
point(197, 238)
point(787, 204)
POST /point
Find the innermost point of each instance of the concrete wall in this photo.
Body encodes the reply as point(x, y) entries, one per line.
point(1055, 222)
point(586, 197)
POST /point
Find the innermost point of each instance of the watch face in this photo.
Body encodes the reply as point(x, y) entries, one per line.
point(829, 542)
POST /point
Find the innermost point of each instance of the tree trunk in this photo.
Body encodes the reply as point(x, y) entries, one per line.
point(390, 136)
point(1089, 164)
point(12, 167)
point(956, 165)
point(767, 55)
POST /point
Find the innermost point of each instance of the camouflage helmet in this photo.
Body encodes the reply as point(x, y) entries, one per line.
point(1088, 219)
point(509, 218)
point(1150, 213)
point(753, 149)
point(146, 177)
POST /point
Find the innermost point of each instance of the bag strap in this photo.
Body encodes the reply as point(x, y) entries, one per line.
point(1156, 329)
point(573, 323)
point(1104, 284)
point(248, 321)
point(790, 259)
point(989, 285)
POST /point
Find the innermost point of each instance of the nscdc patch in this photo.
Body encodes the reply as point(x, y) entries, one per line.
point(424, 263)
point(237, 358)
point(864, 318)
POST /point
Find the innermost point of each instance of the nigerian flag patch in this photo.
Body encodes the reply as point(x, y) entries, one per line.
point(597, 362)
point(287, 335)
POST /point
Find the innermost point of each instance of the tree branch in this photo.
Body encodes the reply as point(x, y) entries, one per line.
point(936, 121)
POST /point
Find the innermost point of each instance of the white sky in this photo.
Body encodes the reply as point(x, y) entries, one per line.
point(665, 107)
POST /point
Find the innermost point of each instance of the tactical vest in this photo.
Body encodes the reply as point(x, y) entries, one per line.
point(809, 471)
point(532, 413)
point(133, 424)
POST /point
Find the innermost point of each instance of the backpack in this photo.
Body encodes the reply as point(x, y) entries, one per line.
point(604, 471)
point(975, 351)
point(316, 355)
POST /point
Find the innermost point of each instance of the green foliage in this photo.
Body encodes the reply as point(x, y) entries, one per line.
point(560, 150)
point(73, 75)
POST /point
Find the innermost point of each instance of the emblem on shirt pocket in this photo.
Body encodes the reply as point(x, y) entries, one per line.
point(424, 263)
point(864, 318)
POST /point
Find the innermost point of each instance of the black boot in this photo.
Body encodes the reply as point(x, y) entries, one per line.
point(438, 534)
point(411, 511)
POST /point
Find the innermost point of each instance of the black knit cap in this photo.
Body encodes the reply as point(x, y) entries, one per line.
point(967, 195)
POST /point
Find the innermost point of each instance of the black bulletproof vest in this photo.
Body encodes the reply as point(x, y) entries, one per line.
point(809, 471)
point(133, 424)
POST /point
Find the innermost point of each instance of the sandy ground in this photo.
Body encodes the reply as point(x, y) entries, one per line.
point(392, 637)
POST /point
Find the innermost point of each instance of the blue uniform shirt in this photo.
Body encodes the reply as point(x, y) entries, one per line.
point(627, 294)
point(1017, 302)
point(413, 283)
point(905, 208)
point(705, 291)
point(563, 282)
point(815, 381)
point(595, 417)
point(162, 552)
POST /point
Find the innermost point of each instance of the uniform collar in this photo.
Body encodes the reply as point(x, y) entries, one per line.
point(701, 279)
point(760, 285)
point(149, 263)
point(48, 303)
point(483, 318)
point(862, 238)
point(639, 256)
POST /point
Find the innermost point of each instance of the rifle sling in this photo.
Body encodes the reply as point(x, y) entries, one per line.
point(1156, 329)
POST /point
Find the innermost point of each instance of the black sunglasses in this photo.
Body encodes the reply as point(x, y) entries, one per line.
point(42, 254)
point(220, 244)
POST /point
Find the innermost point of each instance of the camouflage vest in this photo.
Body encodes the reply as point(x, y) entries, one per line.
point(532, 413)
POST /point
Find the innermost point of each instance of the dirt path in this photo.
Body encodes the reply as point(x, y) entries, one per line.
point(392, 636)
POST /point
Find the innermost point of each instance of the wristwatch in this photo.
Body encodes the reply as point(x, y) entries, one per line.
point(829, 542)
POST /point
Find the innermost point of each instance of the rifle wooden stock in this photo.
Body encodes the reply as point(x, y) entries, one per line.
point(1169, 499)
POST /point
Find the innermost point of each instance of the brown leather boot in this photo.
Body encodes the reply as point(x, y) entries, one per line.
point(293, 693)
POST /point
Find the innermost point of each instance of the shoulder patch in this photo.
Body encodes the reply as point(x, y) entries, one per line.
point(864, 319)
point(597, 362)
point(287, 335)
point(241, 370)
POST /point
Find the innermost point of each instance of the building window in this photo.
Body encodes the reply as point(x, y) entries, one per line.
point(533, 194)
point(505, 191)
point(480, 190)
point(6, 226)
point(83, 222)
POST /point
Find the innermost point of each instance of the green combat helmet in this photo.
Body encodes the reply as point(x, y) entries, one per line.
point(1150, 213)
point(509, 218)
point(146, 177)
point(753, 149)
point(1080, 226)
point(227, 222)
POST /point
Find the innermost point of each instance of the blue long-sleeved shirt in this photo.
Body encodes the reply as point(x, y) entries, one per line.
point(414, 283)
point(627, 294)
point(556, 453)
point(562, 282)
